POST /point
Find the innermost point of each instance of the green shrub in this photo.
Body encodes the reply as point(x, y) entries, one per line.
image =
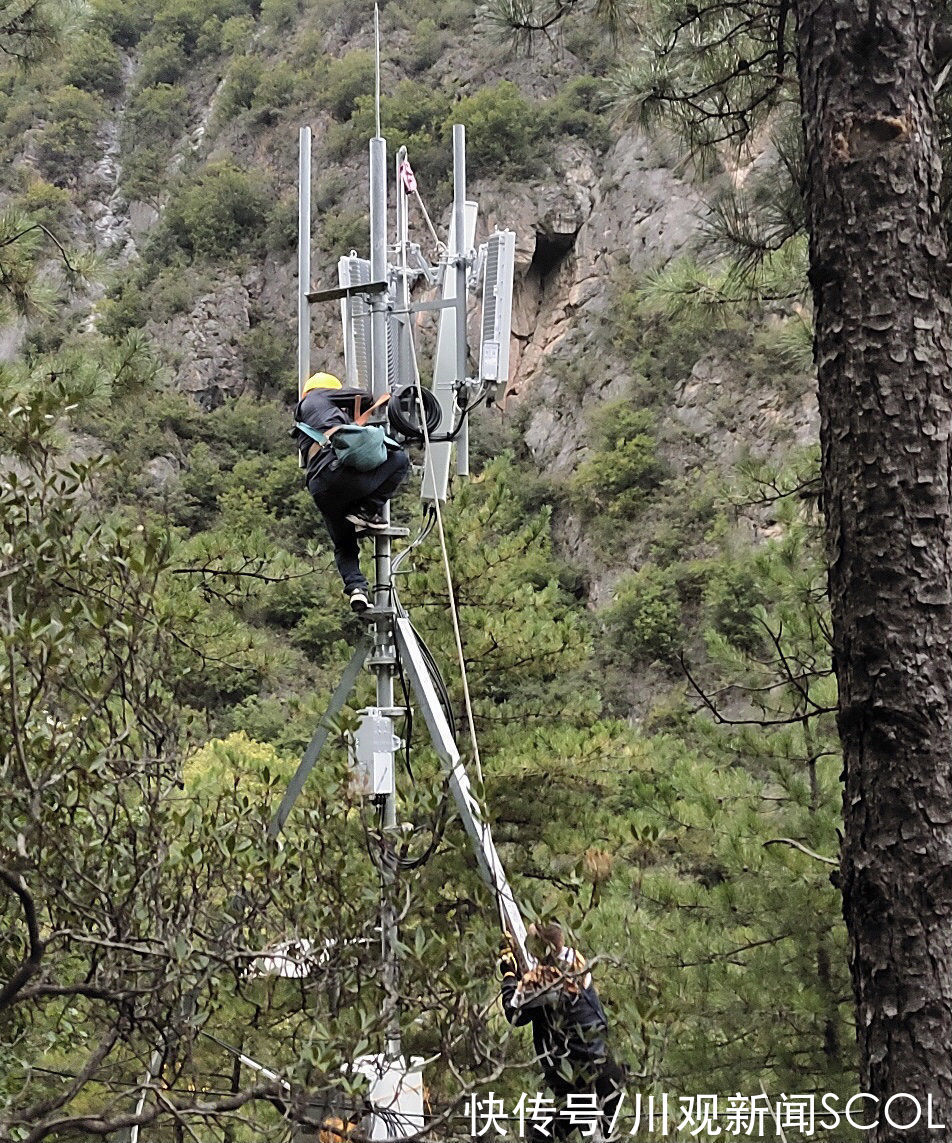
point(732, 597)
point(576, 110)
point(280, 14)
point(502, 130)
point(345, 81)
point(154, 114)
point(277, 88)
point(268, 351)
point(73, 117)
point(623, 467)
point(44, 203)
point(144, 172)
point(426, 47)
point(153, 121)
point(182, 21)
point(455, 15)
point(344, 231)
point(163, 62)
point(223, 212)
point(281, 225)
point(329, 189)
point(236, 34)
point(661, 346)
point(239, 87)
point(94, 64)
point(645, 618)
point(123, 21)
point(137, 300)
point(414, 115)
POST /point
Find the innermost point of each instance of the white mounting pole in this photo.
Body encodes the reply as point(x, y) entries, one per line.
point(459, 253)
point(405, 360)
point(383, 658)
point(304, 256)
point(377, 70)
point(378, 262)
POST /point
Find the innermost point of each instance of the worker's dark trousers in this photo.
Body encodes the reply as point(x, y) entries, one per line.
point(606, 1080)
point(341, 491)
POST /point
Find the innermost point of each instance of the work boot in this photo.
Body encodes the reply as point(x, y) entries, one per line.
point(358, 599)
point(366, 523)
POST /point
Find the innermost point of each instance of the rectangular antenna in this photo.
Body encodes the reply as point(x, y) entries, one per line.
point(355, 318)
point(449, 368)
point(497, 307)
point(355, 314)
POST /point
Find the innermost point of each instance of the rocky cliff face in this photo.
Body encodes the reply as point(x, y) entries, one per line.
point(588, 216)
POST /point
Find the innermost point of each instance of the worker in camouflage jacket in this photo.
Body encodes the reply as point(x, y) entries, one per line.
point(569, 1027)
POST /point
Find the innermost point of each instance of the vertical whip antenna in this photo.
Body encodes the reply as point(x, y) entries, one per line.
point(377, 66)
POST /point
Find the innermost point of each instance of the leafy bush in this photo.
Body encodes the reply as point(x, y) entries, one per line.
point(576, 110)
point(44, 203)
point(239, 87)
point(502, 129)
point(154, 113)
point(221, 213)
point(73, 117)
point(426, 47)
point(414, 115)
point(268, 356)
point(624, 465)
point(162, 62)
point(123, 21)
point(329, 189)
point(235, 36)
point(732, 596)
point(344, 231)
point(345, 81)
point(645, 618)
point(279, 14)
point(277, 88)
point(19, 113)
point(94, 64)
point(455, 15)
point(152, 123)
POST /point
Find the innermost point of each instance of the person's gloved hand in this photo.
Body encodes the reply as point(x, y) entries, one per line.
point(507, 962)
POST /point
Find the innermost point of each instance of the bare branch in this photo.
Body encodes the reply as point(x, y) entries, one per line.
point(31, 963)
point(802, 848)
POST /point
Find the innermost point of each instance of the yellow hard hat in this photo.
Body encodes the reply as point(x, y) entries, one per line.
point(321, 381)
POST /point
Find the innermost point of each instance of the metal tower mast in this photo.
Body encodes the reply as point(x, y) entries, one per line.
point(376, 301)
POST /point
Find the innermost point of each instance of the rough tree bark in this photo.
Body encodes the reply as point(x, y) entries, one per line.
point(881, 289)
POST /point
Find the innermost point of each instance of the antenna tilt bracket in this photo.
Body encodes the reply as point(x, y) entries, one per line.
point(346, 291)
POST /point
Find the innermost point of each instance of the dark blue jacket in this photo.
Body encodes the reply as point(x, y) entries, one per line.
point(567, 1033)
point(319, 411)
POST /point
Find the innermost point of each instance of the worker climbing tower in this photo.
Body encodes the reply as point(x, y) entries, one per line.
point(378, 313)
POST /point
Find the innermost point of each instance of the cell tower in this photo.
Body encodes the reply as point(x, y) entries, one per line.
point(377, 314)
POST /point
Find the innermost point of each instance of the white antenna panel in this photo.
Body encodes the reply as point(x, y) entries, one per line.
point(355, 317)
point(497, 307)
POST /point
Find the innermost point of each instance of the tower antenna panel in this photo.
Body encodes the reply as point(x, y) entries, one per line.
point(446, 367)
point(497, 308)
point(358, 328)
point(355, 318)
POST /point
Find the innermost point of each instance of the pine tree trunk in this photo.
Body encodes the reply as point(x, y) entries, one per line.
point(880, 284)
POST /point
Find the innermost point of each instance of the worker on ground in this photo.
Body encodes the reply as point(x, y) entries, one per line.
point(352, 502)
point(569, 1026)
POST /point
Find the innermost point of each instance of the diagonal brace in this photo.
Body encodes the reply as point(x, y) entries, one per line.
point(316, 745)
point(487, 858)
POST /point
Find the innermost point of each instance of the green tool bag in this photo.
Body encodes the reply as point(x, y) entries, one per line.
point(361, 447)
